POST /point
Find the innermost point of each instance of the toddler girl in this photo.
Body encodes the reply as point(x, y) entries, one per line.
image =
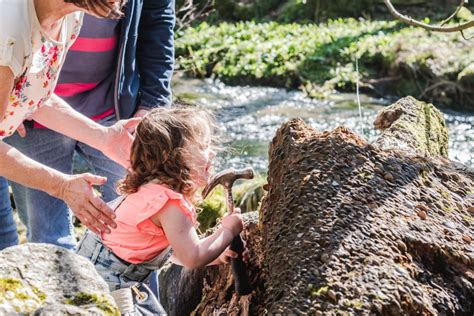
point(171, 158)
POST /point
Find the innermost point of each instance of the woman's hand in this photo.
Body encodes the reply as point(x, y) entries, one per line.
point(77, 192)
point(118, 141)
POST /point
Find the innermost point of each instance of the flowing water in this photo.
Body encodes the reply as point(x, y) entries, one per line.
point(249, 117)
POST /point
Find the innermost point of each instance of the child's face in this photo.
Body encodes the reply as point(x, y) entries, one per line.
point(201, 161)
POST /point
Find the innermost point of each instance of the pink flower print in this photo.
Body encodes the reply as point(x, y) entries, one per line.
point(2, 132)
point(39, 102)
point(19, 85)
point(73, 37)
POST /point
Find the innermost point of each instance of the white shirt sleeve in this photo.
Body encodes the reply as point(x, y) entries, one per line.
point(15, 35)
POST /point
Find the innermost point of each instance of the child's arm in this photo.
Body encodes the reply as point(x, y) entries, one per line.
point(188, 249)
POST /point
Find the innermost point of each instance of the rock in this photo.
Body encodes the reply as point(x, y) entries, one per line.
point(413, 126)
point(45, 279)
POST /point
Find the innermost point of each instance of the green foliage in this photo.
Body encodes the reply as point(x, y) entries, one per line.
point(247, 196)
point(211, 209)
point(310, 11)
point(284, 55)
point(321, 58)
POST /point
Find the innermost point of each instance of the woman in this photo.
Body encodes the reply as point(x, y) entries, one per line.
point(30, 59)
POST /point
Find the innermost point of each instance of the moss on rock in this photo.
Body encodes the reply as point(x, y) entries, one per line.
point(20, 297)
point(414, 125)
point(98, 300)
point(247, 196)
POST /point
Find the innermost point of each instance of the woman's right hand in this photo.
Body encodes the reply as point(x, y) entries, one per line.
point(233, 222)
point(77, 192)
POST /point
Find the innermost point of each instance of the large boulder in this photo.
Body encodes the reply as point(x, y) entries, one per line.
point(43, 279)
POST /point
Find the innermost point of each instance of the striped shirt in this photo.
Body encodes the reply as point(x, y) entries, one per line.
point(86, 81)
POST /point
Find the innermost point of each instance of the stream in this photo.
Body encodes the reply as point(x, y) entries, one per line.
point(249, 117)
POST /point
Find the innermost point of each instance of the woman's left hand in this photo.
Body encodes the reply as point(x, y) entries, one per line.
point(118, 141)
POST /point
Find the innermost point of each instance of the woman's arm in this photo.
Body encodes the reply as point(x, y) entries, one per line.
point(115, 141)
point(188, 249)
point(6, 86)
point(76, 191)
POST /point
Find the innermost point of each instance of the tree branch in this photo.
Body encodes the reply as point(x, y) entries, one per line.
point(437, 28)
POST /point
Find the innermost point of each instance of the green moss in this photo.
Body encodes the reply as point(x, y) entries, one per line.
point(447, 208)
point(466, 76)
point(427, 130)
point(435, 131)
point(468, 218)
point(247, 196)
point(10, 284)
point(445, 195)
point(98, 300)
point(211, 209)
point(354, 304)
point(317, 292)
point(21, 293)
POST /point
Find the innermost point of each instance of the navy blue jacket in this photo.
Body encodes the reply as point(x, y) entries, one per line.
point(146, 56)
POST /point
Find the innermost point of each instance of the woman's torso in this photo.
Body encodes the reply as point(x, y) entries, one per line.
point(34, 58)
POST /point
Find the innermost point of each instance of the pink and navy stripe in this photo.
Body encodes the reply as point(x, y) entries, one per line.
point(87, 78)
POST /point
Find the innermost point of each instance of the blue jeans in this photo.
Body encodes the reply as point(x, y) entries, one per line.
point(8, 233)
point(115, 271)
point(48, 219)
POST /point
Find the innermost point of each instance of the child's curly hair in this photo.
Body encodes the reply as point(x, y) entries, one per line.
point(159, 150)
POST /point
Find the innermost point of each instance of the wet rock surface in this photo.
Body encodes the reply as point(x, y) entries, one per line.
point(43, 279)
point(349, 227)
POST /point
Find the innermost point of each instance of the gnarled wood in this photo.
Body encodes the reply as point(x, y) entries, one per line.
point(351, 227)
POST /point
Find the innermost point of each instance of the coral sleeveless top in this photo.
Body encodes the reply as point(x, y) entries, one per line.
point(136, 238)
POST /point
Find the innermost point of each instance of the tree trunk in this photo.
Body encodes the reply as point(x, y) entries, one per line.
point(350, 227)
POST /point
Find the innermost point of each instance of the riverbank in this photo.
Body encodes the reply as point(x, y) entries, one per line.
point(393, 60)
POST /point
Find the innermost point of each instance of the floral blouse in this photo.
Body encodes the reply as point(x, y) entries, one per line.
point(34, 59)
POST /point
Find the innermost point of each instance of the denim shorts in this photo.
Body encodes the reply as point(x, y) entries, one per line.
point(117, 272)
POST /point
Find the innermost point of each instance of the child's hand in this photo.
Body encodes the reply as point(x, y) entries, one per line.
point(225, 257)
point(233, 222)
point(228, 254)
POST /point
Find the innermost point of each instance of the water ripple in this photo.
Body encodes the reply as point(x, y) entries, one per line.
point(250, 116)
